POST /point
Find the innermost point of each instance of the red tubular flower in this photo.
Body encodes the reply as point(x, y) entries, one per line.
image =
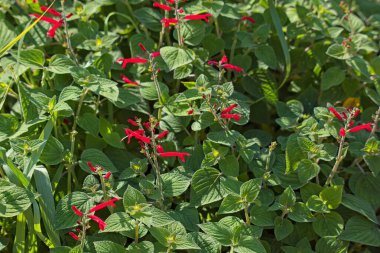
point(224, 59)
point(76, 211)
point(131, 60)
point(74, 236)
point(228, 109)
point(162, 6)
point(180, 11)
point(212, 63)
point(93, 169)
point(104, 204)
point(356, 113)
point(336, 113)
point(102, 225)
point(190, 112)
point(133, 123)
point(198, 16)
point(137, 134)
point(342, 132)
point(159, 148)
point(170, 1)
point(142, 138)
point(169, 21)
point(51, 11)
point(155, 54)
point(180, 155)
point(128, 81)
point(107, 176)
point(249, 19)
point(367, 127)
point(231, 116)
point(233, 67)
point(162, 135)
point(142, 47)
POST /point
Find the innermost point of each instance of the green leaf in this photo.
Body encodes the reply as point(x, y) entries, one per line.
point(330, 244)
point(223, 137)
point(53, 152)
point(60, 64)
point(249, 245)
point(206, 243)
point(13, 199)
point(229, 165)
point(262, 217)
point(360, 230)
point(89, 122)
point(108, 246)
point(231, 204)
point(192, 32)
point(142, 247)
point(282, 228)
point(33, 58)
point(332, 196)
point(109, 134)
point(373, 162)
point(361, 206)
point(176, 57)
point(64, 215)
point(149, 92)
point(307, 170)
point(70, 93)
point(332, 77)
point(150, 18)
point(287, 198)
point(266, 54)
point(250, 190)
point(96, 157)
point(338, 51)
point(329, 224)
point(132, 197)
point(174, 184)
point(118, 222)
point(205, 185)
point(218, 231)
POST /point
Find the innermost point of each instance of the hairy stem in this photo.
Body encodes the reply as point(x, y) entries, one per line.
point(71, 50)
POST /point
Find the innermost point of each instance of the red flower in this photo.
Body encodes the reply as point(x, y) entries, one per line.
point(93, 169)
point(180, 155)
point(233, 67)
point(155, 54)
point(336, 113)
point(56, 23)
point(133, 123)
point(212, 62)
point(367, 127)
point(230, 108)
point(128, 81)
point(231, 116)
point(162, 6)
point(170, 1)
point(74, 236)
point(137, 135)
point(107, 176)
point(169, 21)
point(142, 47)
point(198, 16)
point(249, 19)
point(162, 135)
point(342, 132)
point(131, 60)
point(224, 59)
point(180, 11)
point(159, 148)
point(102, 225)
point(356, 113)
point(190, 112)
point(104, 204)
point(76, 211)
point(51, 11)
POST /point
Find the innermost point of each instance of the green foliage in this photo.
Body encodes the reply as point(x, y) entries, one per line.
point(216, 126)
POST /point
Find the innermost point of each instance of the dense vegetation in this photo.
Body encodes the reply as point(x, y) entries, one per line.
point(203, 126)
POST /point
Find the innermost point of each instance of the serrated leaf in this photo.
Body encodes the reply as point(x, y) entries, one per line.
point(176, 57)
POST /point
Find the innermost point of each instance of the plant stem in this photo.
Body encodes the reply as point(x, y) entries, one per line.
point(246, 213)
point(83, 236)
point(178, 26)
point(137, 231)
point(232, 249)
point(71, 50)
point(375, 121)
point(234, 42)
point(72, 140)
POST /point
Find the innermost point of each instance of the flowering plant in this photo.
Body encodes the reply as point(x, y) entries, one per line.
point(189, 126)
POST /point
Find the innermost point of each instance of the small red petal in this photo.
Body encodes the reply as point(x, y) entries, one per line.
point(93, 169)
point(162, 6)
point(342, 132)
point(249, 19)
point(142, 47)
point(74, 236)
point(162, 135)
point(230, 108)
point(155, 54)
point(76, 211)
point(336, 113)
point(107, 176)
point(133, 123)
